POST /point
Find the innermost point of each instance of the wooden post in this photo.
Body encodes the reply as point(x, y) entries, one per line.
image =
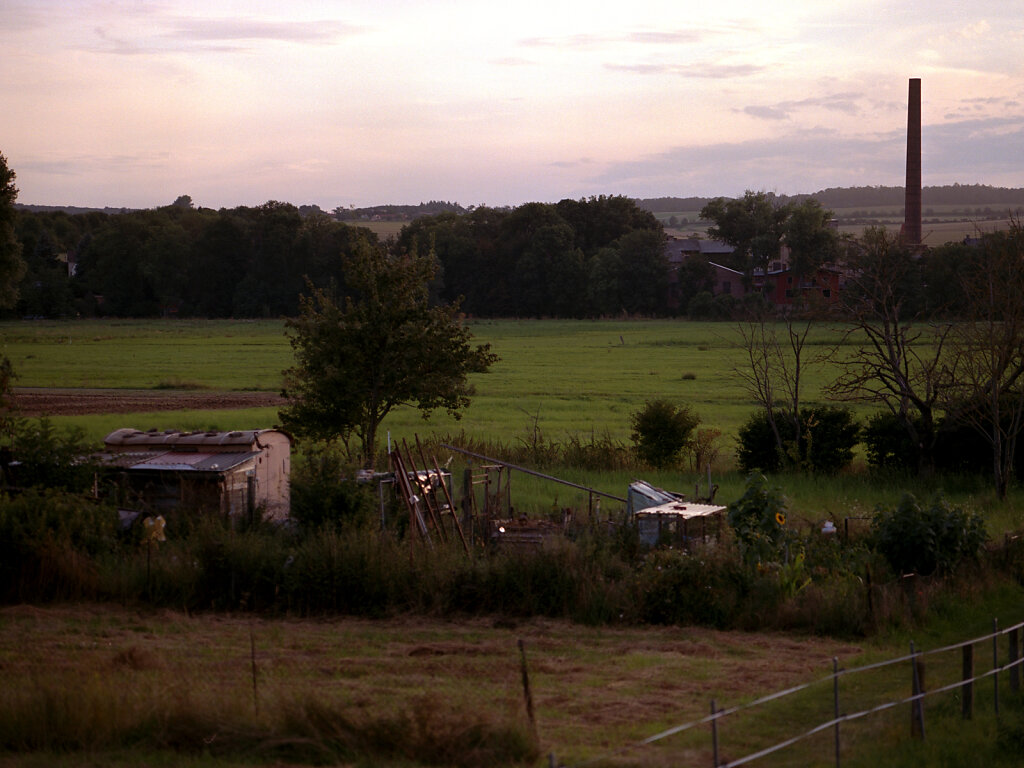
point(1014, 657)
point(995, 663)
point(967, 689)
point(835, 702)
point(714, 735)
point(917, 688)
point(526, 688)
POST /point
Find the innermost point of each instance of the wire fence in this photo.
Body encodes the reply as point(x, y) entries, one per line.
point(945, 678)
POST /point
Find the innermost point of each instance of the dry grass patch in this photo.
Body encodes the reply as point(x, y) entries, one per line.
point(411, 689)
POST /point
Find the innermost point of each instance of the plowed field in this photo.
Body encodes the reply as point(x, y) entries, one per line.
point(72, 402)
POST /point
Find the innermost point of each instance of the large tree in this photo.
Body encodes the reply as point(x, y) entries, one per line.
point(380, 347)
point(900, 359)
point(753, 224)
point(11, 265)
point(986, 364)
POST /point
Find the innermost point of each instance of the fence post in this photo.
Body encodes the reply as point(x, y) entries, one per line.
point(1014, 656)
point(995, 663)
point(527, 695)
point(917, 687)
point(714, 735)
point(967, 689)
point(835, 701)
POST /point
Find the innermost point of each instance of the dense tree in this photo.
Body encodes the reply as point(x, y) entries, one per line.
point(11, 265)
point(754, 225)
point(810, 237)
point(380, 347)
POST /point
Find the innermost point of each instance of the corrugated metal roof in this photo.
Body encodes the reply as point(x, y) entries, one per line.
point(176, 461)
point(685, 510)
point(181, 461)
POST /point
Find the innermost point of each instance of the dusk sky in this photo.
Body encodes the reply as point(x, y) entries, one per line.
point(401, 101)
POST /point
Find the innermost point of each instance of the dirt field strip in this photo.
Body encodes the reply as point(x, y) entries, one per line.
point(40, 401)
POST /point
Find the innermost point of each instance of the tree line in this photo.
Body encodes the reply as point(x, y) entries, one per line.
point(574, 258)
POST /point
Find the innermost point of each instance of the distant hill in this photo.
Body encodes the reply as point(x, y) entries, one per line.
point(965, 195)
point(397, 212)
point(69, 209)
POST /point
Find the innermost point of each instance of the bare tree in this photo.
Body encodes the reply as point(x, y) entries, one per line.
point(899, 359)
point(986, 367)
point(776, 363)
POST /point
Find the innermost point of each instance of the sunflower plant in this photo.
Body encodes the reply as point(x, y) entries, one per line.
point(758, 519)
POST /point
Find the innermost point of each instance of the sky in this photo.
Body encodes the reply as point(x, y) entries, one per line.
point(366, 102)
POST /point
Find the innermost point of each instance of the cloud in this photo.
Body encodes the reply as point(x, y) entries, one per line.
point(845, 103)
point(707, 70)
point(591, 41)
point(808, 160)
point(230, 29)
point(89, 165)
point(190, 34)
point(767, 113)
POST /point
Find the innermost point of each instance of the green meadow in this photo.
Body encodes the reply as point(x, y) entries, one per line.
point(565, 377)
point(562, 379)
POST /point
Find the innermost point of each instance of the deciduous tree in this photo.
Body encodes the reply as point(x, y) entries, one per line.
point(11, 265)
point(380, 347)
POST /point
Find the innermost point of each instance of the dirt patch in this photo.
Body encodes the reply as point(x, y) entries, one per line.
point(34, 402)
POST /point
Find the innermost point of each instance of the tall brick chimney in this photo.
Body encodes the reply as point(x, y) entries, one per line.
point(911, 233)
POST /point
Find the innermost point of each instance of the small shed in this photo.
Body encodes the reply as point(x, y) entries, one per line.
point(661, 515)
point(234, 473)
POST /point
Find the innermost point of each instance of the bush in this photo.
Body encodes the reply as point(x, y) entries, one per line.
point(702, 587)
point(888, 446)
point(320, 496)
point(661, 431)
point(829, 436)
point(48, 457)
point(49, 542)
point(923, 540)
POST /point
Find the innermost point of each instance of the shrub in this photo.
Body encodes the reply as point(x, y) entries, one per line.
point(661, 431)
point(887, 444)
point(49, 542)
point(320, 496)
point(918, 539)
point(829, 436)
point(702, 587)
point(48, 457)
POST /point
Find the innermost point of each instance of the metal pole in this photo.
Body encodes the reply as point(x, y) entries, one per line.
point(835, 701)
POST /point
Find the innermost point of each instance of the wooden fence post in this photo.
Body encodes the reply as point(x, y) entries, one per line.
point(995, 663)
point(967, 689)
point(714, 735)
point(835, 701)
point(1014, 656)
point(917, 687)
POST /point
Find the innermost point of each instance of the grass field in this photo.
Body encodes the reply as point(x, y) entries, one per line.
point(109, 686)
point(565, 378)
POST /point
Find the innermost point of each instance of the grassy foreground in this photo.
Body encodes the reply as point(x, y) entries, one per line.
point(104, 685)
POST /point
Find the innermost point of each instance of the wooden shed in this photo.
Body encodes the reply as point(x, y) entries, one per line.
point(234, 473)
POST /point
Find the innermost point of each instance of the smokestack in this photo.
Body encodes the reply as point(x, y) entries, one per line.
point(912, 217)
